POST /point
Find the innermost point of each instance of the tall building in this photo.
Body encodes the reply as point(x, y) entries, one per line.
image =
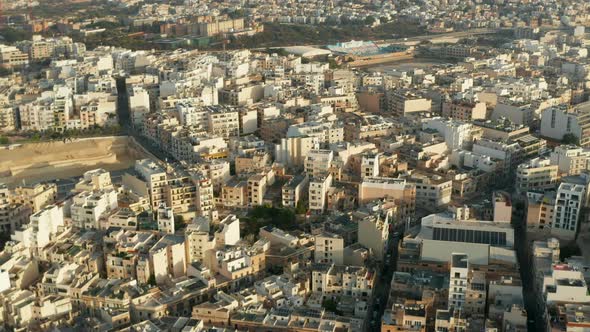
point(329, 248)
point(569, 201)
point(318, 189)
point(458, 280)
point(536, 174)
point(556, 122)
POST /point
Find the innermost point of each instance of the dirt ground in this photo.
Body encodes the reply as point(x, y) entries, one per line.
point(57, 160)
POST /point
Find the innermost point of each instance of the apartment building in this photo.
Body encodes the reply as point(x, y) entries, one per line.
point(536, 174)
point(235, 193)
point(292, 151)
point(12, 214)
point(89, 207)
point(36, 196)
point(464, 110)
point(325, 132)
point(318, 162)
point(12, 57)
point(370, 165)
point(318, 190)
point(223, 122)
point(457, 134)
point(165, 219)
point(252, 163)
point(373, 233)
point(8, 118)
point(459, 271)
point(565, 284)
point(432, 191)
point(257, 185)
point(372, 188)
point(337, 280)
point(569, 201)
point(97, 179)
point(294, 190)
point(404, 102)
point(329, 249)
point(198, 240)
point(556, 122)
point(570, 159)
point(168, 258)
point(43, 226)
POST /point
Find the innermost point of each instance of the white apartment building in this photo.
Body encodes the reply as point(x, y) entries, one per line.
point(457, 135)
point(569, 202)
point(97, 179)
point(139, 105)
point(293, 191)
point(561, 120)
point(338, 280)
point(318, 189)
point(508, 152)
point(192, 115)
point(458, 280)
point(277, 236)
point(223, 122)
point(165, 219)
point(167, 258)
point(326, 132)
point(329, 248)
point(536, 174)
point(42, 227)
point(570, 159)
point(89, 207)
point(293, 150)
point(11, 56)
point(373, 234)
point(565, 285)
point(400, 190)
point(317, 162)
point(198, 240)
point(515, 112)
point(370, 165)
point(432, 191)
point(229, 231)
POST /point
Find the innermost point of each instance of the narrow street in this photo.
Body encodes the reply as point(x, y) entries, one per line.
point(125, 122)
point(382, 286)
point(533, 299)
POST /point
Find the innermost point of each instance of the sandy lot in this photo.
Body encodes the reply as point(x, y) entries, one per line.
point(57, 160)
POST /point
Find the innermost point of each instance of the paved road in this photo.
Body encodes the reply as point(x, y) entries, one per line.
point(381, 289)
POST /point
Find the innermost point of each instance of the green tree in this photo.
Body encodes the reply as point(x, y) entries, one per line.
point(330, 305)
point(4, 140)
point(301, 207)
point(12, 35)
point(152, 280)
point(569, 139)
point(179, 222)
point(369, 20)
